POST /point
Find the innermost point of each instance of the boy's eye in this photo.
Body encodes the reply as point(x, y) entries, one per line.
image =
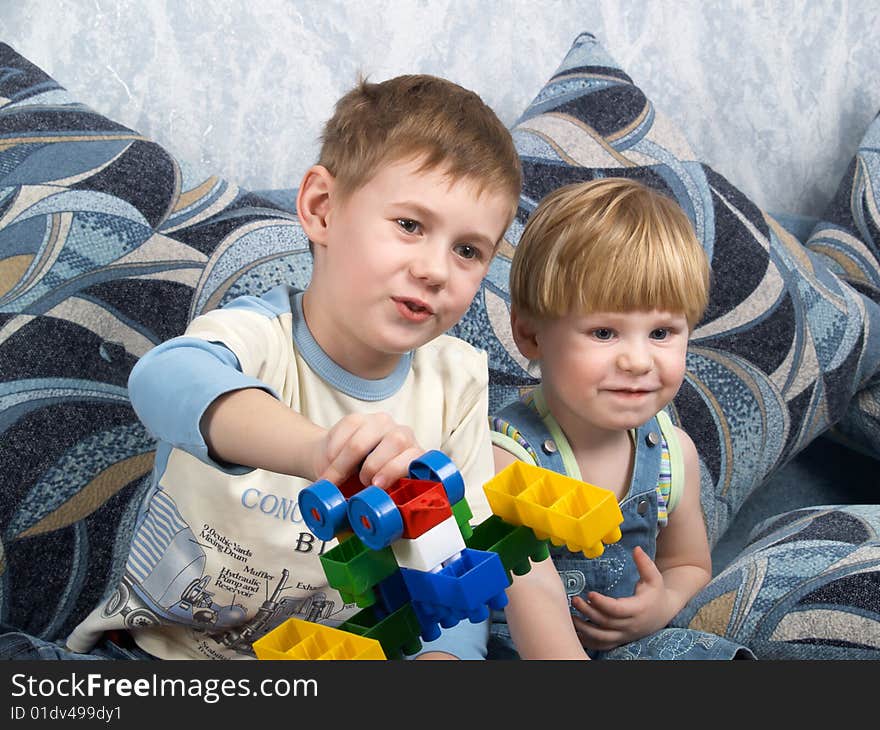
point(603, 333)
point(661, 333)
point(466, 251)
point(408, 225)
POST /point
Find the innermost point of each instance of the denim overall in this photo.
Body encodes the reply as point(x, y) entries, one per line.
point(614, 573)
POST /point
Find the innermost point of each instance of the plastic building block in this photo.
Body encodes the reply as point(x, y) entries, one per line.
point(397, 632)
point(391, 594)
point(407, 564)
point(515, 545)
point(422, 505)
point(324, 509)
point(461, 510)
point(353, 570)
point(409, 508)
point(431, 549)
point(435, 466)
point(298, 639)
point(375, 518)
point(567, 511)
point(466, 587)
point(351, 486)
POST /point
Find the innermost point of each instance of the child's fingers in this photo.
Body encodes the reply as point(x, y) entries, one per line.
point(389, 459)
point(396, 468)
point(348, 442)
point(648, 570)
point(600, 619)
point(596, 637)
point(339, 435)
point(612, 608)
point(373, 445)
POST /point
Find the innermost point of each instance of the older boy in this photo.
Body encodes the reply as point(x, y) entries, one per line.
point(416, 183)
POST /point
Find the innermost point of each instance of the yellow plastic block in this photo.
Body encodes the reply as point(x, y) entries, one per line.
point(298, 639)
point(569, 512)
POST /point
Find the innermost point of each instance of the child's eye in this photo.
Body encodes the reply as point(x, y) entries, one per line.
point(408, 225)
point(661, 333)
point(602, 333)
point(467, 251)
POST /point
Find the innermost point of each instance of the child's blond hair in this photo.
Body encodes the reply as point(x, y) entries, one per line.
point(608, 245)
point(419, 116)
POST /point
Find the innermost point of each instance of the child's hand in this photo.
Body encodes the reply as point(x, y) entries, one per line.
point(616, 621)
point(382, 448)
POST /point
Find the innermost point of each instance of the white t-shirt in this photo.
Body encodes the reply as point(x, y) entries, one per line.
point(221, 554)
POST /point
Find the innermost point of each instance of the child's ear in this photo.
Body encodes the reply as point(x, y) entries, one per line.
point(525, 335)
point(313, 202)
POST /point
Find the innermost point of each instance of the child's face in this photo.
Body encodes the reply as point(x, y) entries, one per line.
point(403, 257)
point(612, 370)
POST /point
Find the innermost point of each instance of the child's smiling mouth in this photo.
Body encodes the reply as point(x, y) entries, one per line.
point(629, 393)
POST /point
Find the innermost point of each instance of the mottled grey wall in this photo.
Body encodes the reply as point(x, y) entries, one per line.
point(775, 94)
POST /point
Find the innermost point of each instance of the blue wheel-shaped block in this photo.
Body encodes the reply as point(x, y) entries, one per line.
point(324, 509)
point(435, 466)
point(375, 518)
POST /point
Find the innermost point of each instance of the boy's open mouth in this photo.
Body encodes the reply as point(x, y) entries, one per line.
point(414, 308)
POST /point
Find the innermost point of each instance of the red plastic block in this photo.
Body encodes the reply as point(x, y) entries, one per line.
point(422, 505)
point(351, 486)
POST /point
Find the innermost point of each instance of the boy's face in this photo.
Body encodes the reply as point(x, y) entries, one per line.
point(401, 259)
point(611, 370)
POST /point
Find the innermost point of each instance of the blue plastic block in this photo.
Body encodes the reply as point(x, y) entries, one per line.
point(375, 518)
point(391, 594)
point(324, 509)
point(466, 587)
point(435, 466)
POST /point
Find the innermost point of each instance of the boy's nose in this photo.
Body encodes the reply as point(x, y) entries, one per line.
point(430, 264)
point(634, 359)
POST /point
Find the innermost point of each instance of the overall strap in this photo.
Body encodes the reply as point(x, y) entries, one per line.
point(648, 442)
point(519, 425)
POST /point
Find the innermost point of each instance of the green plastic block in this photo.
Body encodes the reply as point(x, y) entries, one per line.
point(353, 570)
point(461, 510)
point(514, 545)
point(398, 633)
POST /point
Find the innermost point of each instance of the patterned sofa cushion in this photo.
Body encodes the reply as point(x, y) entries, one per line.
point(807, 586)
point(848, 240)
point(108, 246)
point(785, 343)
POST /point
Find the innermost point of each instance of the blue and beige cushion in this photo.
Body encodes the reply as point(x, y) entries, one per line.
point(108, 246)
point(807, 586)
point(785, 343)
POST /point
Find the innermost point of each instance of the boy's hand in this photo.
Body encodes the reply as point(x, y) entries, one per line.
point(616, 621)
point(374, 441)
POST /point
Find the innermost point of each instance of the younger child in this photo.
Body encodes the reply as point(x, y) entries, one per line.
point(416, 184)
point(607, 282)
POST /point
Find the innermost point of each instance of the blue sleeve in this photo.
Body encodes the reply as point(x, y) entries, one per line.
point(173, 384)
point(465, 640)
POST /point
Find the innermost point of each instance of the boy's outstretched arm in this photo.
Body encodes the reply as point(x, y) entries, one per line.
point(192, 394)
point(251, 427)
point(537, 611)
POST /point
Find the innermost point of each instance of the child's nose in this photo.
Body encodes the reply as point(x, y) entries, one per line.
point(635, 359)
point(430, 264)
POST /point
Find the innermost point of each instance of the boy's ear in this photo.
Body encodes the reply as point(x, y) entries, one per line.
point(313, 202)
point(525, 335)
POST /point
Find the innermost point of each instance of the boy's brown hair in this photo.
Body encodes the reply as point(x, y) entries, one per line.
point(609, 245)
point(419, 115)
